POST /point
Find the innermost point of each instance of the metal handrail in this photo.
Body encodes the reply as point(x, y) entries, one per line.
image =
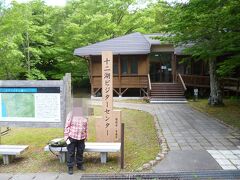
point(183, 84)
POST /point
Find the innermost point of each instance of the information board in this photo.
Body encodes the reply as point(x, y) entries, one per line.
point(34, 104)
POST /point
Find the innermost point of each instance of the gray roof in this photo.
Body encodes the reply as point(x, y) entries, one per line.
point(135, 43)
point(151, 38)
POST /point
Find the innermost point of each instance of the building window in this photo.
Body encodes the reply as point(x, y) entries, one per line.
point(129, 65)
point(124, 66)
point(115, 68)
point(134, 66)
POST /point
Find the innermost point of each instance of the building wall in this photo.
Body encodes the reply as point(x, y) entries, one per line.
point(97, 65)
point(162, 48)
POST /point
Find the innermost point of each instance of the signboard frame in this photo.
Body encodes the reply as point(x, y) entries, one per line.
point(65, 100)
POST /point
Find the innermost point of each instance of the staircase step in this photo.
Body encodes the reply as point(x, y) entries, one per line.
point(167, 96)
point(168, 100)
point(182, 95)
point(167, 92)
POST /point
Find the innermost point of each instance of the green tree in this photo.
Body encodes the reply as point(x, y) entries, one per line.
point(37, 41)
point(86, 22)
point(213, 29)
point(10, 38)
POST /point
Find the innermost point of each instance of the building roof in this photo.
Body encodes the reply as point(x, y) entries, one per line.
point(135, 43)
point(151, 38)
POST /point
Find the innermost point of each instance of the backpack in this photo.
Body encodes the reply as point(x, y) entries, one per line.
point(58, 142)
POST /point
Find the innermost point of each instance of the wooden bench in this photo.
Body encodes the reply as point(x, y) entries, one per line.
point(10, 151)
point(103, 148)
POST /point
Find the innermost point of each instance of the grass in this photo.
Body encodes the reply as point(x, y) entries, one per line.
point(141, 145)
point(229, 113)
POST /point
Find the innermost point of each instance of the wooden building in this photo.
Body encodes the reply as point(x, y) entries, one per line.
point(144, 63)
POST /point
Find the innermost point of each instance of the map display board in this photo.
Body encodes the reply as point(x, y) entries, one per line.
point(35, 104)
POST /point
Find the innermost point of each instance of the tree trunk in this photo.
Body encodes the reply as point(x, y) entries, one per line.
point(215, 91)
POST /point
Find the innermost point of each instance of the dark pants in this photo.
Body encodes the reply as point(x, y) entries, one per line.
point(78, 146)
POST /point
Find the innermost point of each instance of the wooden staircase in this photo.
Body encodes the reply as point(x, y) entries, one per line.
point(167, 93)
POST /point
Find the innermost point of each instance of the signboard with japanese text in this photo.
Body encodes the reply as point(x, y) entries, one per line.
point(35, 104)
point(108, 126)
point(107, 89)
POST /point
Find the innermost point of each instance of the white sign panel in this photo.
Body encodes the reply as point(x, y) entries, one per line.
point(30, 104)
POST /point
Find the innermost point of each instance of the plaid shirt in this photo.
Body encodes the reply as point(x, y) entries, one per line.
point(75, 127)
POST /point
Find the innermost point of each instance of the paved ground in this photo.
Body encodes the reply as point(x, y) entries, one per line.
point(188, 130)
point(187, 160)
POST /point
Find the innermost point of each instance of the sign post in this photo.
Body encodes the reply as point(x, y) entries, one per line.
point(108, 127)
point(195, 94)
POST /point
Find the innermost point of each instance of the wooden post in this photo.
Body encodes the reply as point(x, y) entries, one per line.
point(122, 145)
point(119, 75)
point(174, 68)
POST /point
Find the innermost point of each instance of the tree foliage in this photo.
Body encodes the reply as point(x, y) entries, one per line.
point(211, 28)
point(37, 41)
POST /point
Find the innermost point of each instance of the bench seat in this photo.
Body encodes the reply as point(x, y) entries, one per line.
point(10, 151)
point(103, 148)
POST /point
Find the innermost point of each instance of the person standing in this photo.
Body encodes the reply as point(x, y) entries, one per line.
point(75, 134)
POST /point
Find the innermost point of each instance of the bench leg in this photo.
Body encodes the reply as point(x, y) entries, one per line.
point(104, 157)
point(7, 159)
point(62, 157)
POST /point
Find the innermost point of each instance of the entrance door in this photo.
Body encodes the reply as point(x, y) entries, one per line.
point(160, 69)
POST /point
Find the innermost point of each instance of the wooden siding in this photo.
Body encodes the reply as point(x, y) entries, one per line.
point(139, 80)
point(96, 69)
point(162, 48)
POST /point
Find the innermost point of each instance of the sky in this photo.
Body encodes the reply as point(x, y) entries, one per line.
point(63, 2)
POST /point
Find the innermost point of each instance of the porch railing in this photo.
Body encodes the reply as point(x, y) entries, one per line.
point(230, 84)
point(195, 80)
point(180, 79)
point(149, 85)
point(123, 81)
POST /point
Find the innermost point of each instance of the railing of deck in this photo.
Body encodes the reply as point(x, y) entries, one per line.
point(149, 85)
point(196, 80)
point(180, 79)
point(230, 84)
point(123, 81)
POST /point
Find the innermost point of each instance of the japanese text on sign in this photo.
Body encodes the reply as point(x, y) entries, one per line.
point(107, 90)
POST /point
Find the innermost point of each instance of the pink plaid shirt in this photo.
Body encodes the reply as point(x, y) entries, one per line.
point(75, 127)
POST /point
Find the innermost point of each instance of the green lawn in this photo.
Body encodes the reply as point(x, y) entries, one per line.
point(141, 145)
point(229, 113)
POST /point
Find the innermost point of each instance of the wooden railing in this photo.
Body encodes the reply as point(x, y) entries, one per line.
point(149, 85)
point(196, 80)
point(179, 78)
point(123, 81)
point(230, 84)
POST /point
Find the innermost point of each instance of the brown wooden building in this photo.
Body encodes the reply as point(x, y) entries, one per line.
point(144, 63)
